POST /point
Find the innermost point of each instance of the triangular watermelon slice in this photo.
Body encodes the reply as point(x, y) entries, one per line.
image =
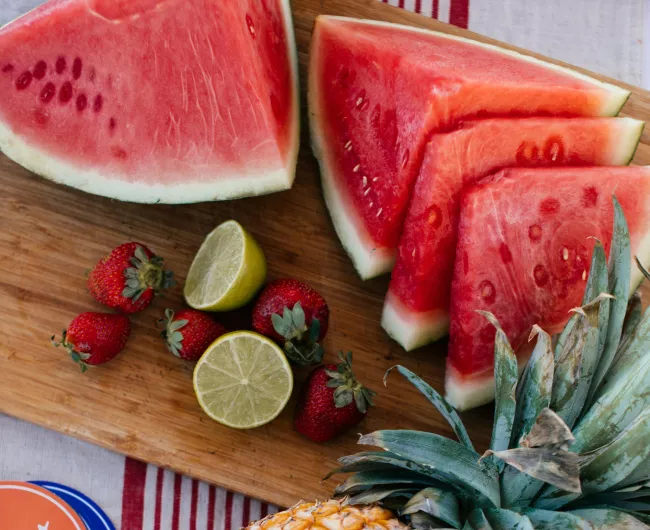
point(376, 93)
point(416, 311)
point(525, 240)
point(153, 100)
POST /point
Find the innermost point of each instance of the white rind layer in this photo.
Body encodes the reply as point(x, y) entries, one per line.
point(410, 329)
point(115, 186)
point(368, 260)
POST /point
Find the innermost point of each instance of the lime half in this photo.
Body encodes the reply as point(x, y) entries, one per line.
point(227, 271)
point(243, 380)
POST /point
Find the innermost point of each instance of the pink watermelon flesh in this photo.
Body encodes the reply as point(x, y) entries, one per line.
point(378, 91)
point(153, 100)
point(416, 311)
point(525, 240)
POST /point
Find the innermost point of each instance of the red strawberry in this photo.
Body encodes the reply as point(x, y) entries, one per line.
point(332, 401)
point(292, 312)
point(189, 333)
point(128, 278)
point(95, 338)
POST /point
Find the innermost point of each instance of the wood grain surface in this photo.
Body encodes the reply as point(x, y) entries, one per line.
point(143, 404)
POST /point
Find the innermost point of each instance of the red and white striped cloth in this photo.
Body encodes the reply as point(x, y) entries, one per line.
point(607, 36)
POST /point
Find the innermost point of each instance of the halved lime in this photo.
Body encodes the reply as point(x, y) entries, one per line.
point(243, 380)
point(227, 271)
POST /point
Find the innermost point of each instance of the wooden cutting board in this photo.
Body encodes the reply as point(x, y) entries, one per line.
point(143, 404)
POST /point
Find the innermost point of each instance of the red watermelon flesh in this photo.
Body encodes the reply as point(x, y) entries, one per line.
point(416, 310)
point(525, 240)
point(153, 100)
point(377, 91)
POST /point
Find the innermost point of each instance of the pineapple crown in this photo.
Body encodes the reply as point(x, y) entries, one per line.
point(569, 443)
point(145, 273)
point(79, 358)
point(346, 387)
point(300, 341)
point(172, 334)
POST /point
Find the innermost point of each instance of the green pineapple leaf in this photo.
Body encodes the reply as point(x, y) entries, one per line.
point(535, 386)
point(501, 519)
point(448, 412)
point(620, 266)
point(363, 480)
point(577, 362)
point(505, 378)
point(621, 457)
point(478, 520)
point(439, 503)
point(375, 495)
point(622, 396)
point(441, 454)
point(606, 519)
point(550, 520)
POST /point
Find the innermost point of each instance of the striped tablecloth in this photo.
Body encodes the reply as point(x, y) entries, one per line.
point(606, 36)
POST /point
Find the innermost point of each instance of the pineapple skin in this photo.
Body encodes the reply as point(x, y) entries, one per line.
point(330, 515)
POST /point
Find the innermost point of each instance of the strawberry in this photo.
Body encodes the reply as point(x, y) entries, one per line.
point(128, 278)
point(332, 401)
point(95, 338)
point(189, 333)
point(291, 312)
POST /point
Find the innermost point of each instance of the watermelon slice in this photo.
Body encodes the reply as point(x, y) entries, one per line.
point(376, 93)
point(169, 101)
point(416, 310)
point(525, 240)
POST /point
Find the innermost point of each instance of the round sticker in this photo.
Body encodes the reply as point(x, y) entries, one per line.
point(30, 507)
point(90, 513)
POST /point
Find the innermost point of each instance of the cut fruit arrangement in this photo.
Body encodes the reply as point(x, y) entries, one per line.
point(569, 445)
point(95, 97)
point(410, 127)
point(243, 379)
point(482, 178)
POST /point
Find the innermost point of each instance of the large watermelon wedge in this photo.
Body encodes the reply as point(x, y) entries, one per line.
point(153, 100)
point(416, 310)
point(525, 240)
point(376, 93)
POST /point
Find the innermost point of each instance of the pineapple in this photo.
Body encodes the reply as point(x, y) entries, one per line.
point(570, 445)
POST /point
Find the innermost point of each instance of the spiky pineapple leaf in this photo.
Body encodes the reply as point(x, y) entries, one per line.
point(550, 520)
point(447, 411)
point(505, 379)
point(620, 459)
point(632, 321)
point(535, 386)
point(423, 521)
point(438, 503)
point(478, 520)
point(386, 460)
point(576, 364)
point(375, 495)
point(639, 476)
point(501, 519)
point(441, 454)
point(364, 480)
point(612, 498)
point(620, 267)
point(621, 398)
point(604, 519)
point(598, 283)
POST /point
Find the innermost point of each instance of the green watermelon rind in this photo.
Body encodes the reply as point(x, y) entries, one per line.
point(413, 330)
point(368, 260)
point(465, 393)
point(237, 186)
